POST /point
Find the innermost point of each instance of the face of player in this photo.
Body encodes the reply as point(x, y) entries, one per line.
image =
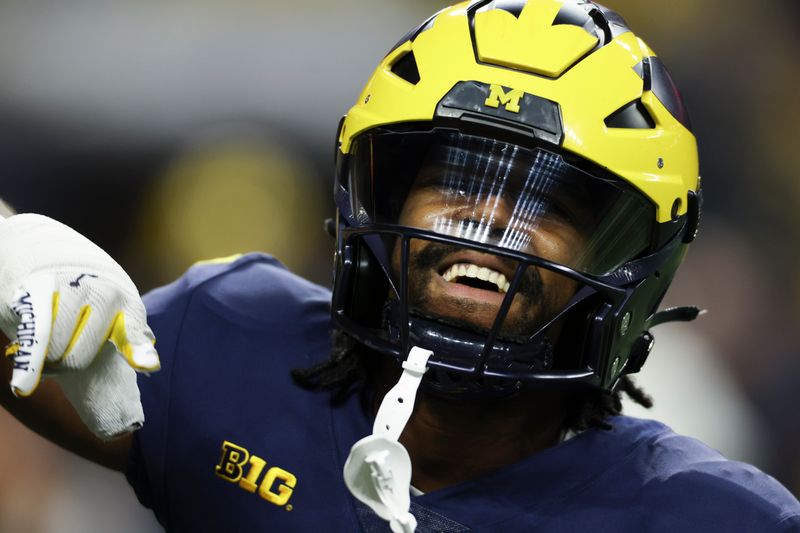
point(464, 287)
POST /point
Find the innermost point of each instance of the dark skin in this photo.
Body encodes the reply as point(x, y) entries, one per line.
point(48, 412)
point(451, 442)
point(433, 204)
point(454, 441)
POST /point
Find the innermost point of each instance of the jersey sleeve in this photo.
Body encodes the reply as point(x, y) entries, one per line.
point(245, 293)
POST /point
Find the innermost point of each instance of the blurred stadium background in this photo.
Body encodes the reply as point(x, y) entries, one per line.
point(180, 130)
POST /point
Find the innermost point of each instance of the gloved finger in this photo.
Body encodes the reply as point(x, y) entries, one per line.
point(105, 395)
point(93, 331)
point(33, 305)
point(94, 310)
point(135, 341)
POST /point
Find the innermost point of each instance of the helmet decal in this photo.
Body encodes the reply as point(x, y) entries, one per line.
point(530, 115)
point(531, 42)
point(498, 96)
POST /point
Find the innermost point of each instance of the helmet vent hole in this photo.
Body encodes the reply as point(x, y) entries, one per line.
point(633, 116)
point(405, 67)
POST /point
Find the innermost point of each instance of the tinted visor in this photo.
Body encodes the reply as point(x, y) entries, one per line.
point(521, 199)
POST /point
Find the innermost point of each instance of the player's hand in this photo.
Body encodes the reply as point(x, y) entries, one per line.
point(71, 311)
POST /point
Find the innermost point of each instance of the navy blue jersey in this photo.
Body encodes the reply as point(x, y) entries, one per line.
point(230, 443)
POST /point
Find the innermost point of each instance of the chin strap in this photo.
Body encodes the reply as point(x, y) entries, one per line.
point(378, 469)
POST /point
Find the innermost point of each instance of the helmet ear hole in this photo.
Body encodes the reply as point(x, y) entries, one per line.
point(676, 206)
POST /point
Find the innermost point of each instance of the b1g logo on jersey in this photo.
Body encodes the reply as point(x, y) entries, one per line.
point(237, 465)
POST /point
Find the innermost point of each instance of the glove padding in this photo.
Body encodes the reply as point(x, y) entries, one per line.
point(72, 312)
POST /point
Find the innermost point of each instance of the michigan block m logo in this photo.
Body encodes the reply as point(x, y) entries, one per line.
point(498, 96)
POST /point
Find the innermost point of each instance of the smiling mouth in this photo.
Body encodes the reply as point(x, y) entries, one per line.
point(477, 277)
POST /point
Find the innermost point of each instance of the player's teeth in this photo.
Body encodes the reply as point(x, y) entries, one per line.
point(501, 283)
point(462, 270)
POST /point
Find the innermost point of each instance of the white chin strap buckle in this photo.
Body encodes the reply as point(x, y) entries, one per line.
point(378, 469)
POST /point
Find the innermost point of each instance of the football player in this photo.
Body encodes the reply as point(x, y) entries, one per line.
point(516, 187)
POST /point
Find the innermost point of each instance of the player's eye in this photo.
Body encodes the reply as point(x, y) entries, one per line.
point(469, 188)
point(557, 208)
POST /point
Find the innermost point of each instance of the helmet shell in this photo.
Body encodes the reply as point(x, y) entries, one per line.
point(579, 55)
point(566, 75)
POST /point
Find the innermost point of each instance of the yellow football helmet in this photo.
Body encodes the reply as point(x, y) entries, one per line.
point(516, 186)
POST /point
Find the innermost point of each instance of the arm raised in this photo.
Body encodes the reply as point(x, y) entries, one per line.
point(74, 315)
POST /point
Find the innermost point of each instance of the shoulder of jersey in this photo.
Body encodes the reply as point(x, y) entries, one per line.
point(685, 468)
point(255, 286)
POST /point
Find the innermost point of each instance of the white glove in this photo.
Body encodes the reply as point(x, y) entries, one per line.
point(72, 311)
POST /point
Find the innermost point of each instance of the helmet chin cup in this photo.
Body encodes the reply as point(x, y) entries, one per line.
point(378, 473)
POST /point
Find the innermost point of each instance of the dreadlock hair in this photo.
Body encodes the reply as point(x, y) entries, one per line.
point(348, 366)
point(345, 367)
